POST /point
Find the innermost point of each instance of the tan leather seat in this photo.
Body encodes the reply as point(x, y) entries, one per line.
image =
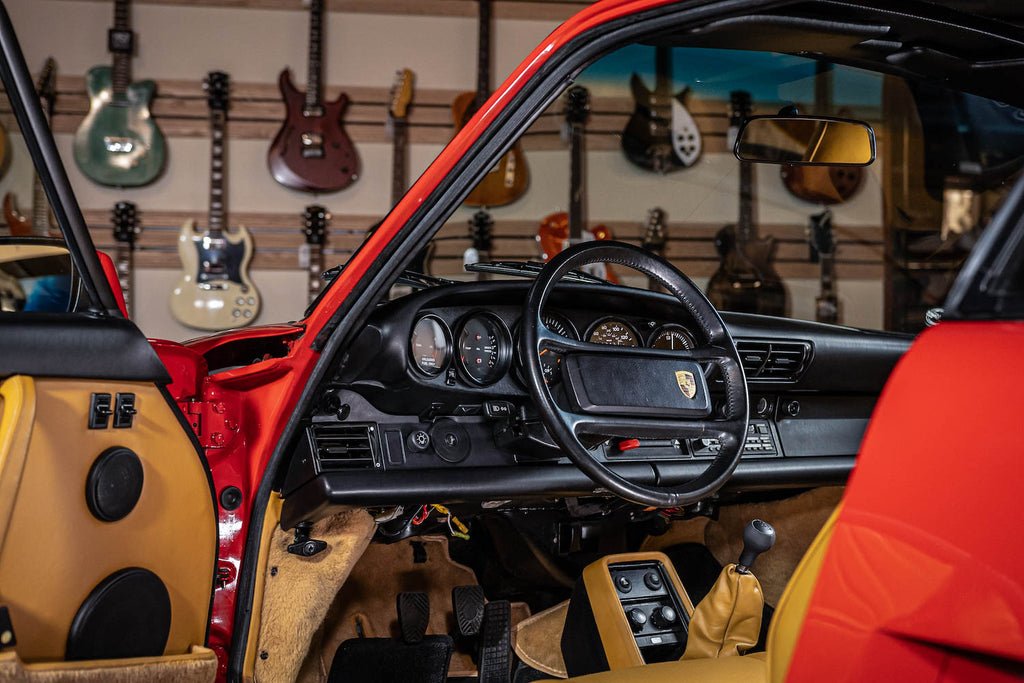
point(771, 665)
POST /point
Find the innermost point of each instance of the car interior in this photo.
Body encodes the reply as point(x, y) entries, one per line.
point(535, 471)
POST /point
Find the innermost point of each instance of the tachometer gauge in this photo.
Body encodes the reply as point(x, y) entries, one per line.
point(430, 345)
point(613, 332)
point(484, 348)
point(551, 360)
point(672, 337)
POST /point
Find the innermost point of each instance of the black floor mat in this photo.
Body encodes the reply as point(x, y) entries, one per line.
point(385, 660)
point(698, 570)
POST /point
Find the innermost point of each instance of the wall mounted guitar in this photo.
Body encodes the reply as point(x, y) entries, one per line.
point(655, 238)
point(312, 152)
point(215, 292)
point(125, 218)
point(481, 235)
point(661, 135)
point(118, 143)
point(823, 248)
point(41, 221)
point(314, 228)
point(508, 179)
point(562, 230)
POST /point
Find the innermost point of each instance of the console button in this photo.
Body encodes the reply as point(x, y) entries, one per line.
point(664, 617)
point(623, 583)
point(652, 580)
point(637, 619)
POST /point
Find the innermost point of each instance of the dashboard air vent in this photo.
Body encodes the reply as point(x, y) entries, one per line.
point(343, 446)
point(773, 361)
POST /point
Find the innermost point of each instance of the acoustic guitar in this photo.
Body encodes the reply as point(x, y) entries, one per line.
point(118, 143)
point(564, 229)
point(508, 179)
point(215, 292)
point(745, 280)
point(314, 228)
point(823, 244)
point(126, 228)
point(661, 135)
point(822, 184)
point(312, 152)
point(655, 238)
point(41, 221)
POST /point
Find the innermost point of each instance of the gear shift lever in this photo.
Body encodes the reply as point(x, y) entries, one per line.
point(758, 537)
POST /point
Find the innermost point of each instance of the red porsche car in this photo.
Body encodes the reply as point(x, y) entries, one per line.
point(538, 473)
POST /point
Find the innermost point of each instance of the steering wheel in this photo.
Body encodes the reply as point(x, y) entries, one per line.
point(637, 393)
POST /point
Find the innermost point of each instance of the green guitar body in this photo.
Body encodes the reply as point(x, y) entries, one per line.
point(118, 143)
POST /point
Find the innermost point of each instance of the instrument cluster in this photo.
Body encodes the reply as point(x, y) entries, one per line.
point(478, 347)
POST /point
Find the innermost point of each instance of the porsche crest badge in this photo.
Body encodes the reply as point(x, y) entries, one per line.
point(687, 384)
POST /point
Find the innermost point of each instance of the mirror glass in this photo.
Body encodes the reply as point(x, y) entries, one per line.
point(806, 140)
point(35, 275)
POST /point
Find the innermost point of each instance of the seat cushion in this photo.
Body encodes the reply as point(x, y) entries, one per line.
point(746, 669)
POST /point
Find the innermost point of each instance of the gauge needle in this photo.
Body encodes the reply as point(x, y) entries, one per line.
point(543, 352)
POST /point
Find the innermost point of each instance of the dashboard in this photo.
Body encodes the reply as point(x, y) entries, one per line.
point(428, 404)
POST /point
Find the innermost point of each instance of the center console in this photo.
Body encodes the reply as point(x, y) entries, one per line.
point(626, 610)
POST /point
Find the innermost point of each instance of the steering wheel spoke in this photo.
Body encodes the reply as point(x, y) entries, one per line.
point(637, 427)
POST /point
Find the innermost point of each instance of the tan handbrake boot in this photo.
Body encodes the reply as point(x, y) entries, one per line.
point(728, 620)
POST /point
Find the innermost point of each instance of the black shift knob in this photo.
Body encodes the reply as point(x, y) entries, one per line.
point(758, 537)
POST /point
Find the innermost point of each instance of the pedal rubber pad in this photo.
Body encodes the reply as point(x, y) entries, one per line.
point(495, 661)
point(468, 605)
point(413, 616)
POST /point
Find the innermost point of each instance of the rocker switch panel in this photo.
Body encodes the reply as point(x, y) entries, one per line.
point(99, 411)
point(124, 411)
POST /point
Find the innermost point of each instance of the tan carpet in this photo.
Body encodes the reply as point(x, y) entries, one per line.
point(368, 599)
point(198, 666)
point(299, 590)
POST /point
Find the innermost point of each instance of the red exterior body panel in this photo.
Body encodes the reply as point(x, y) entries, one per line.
point(923, 579)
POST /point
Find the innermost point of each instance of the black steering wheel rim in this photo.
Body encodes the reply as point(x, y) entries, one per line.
point(719, 349)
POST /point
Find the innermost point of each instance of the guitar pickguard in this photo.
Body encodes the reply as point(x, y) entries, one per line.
point(219, 261)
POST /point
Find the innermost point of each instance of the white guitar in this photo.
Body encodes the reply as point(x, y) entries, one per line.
point(215, 292)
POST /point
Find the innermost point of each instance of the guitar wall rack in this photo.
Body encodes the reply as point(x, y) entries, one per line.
point(278, 240)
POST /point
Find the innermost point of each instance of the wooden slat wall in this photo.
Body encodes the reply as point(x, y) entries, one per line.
point(278, 238)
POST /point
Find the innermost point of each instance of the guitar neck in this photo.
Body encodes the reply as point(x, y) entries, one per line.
point(828, 275)
point(745, 230)
point(121, 74)
point(314, 77)
point(316, 266)
point(40, 208)
point(218, 121)
point(663, 72)
point(576, 182)
point(483, 58)
point(399, 158)
point(125, 262)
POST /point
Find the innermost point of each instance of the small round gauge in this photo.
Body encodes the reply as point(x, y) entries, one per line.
point(613, 332)
point(484, 348)
point(672, 337)
point(551, 360)
point(430, 345)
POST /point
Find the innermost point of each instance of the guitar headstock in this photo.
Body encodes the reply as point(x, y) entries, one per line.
point(577, 105)
point(739, 107)
point(46, 85)
point(654, 231)
point(822, 238)
point(401, 94)
point(217, 87)
point(314, 224)
point(481, 230)
point(126, 222)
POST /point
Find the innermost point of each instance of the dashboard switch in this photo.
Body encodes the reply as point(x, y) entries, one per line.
point(418, 440)
point(637, 619)
point(629, 444)
point(497, 409)
point(623, 583)
point(664, 617)
point(652, 580)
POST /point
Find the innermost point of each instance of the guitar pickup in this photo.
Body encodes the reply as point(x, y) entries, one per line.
point(312, 146)
point(118, 145)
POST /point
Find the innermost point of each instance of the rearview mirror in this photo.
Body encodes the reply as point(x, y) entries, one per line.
point(805, 141)
point(36, 274)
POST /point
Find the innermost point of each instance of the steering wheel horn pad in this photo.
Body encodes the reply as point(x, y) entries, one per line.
point(662, 417)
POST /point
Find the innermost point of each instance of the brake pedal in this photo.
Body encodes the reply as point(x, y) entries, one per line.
point(495, 663)
point(468, 605)
point(413, 616)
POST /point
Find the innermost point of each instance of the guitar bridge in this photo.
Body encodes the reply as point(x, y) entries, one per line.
point(312, 146)
point(118, 145)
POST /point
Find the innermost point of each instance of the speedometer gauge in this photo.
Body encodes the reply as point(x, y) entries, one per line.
point(430, 345)
point(484, 348)
point(613, 332)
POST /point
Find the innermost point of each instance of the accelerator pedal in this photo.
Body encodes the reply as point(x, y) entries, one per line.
point(413, 616)
point(495, 661)
point(468, 605)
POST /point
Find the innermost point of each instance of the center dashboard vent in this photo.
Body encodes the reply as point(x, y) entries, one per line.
point(773, 361)
point(343, 446)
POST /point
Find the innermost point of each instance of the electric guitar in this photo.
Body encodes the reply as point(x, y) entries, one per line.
point(215, 292)
point(745, 280)
point(312, 152)
point(661, 135)
point(822, 184)
point(823, 244)
point(314, 227)
point(655, 238)
point(481, 232)
point(41, 221)
point(126, 228)
point(507, 181)
point(398, 125)
point(118, 142)
point(562, 230)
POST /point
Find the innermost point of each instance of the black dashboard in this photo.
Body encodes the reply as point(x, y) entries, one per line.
point(428, 404)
